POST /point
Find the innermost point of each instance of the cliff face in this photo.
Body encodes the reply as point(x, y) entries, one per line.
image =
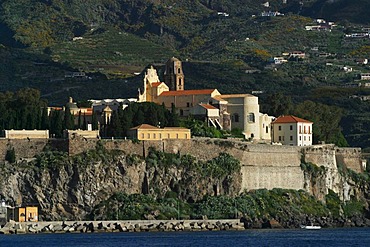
point(68, 187)
point(70, 190)
point(330, 171)
point(71, 187)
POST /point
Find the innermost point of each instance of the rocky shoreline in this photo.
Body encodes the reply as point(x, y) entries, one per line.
point(13, 227)
point(121, 226)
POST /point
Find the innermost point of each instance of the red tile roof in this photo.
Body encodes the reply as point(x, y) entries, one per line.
point(156, 84)
point(144, 126)
point(207, 106)
point(187, 92)
point(290, 119)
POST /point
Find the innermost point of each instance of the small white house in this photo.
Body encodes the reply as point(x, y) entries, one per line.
point(291, 130)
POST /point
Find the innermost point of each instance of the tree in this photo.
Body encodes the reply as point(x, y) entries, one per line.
point(45, 124)
point(56, 123)
point(278, 104)
point(173, 118)
point(79, 123)
point(94, 121)
point(326, 121)
point(68, 119)
point(84, 124)
point(10, 155)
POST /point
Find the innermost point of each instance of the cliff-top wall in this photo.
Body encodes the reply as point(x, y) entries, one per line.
point(262, 165)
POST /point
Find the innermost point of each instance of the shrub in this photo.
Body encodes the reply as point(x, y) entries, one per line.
point(10, 155)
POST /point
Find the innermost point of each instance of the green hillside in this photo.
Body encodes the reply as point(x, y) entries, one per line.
point(224, 44)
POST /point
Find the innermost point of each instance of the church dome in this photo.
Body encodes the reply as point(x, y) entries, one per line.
point(71, 104)
point(173, 59)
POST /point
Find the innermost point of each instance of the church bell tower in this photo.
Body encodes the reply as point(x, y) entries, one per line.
point(173, 75)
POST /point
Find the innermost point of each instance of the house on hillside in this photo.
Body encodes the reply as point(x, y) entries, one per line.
point(291, 130)
point(365, 76)
point(297, 54)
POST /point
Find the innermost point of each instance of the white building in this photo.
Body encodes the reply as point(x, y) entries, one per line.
point(291, 130)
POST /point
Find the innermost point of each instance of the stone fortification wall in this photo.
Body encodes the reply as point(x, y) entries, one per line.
point(320, 155)
point(266, 166)
point(263, 165)
point(25, 149)
point(350, 157)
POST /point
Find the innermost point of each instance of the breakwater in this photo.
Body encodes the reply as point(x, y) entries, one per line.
point(121, 226)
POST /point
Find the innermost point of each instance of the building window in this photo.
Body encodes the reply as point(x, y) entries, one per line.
point(279, 127)
point(309, 138)
point(300, 129)
point(148, 136)
point(160, 136)
point(300, 138)
point(186, 136)
point(177, 136)
point(154, 135)
point(181, 112)
point(267, 129)
point(251, 117)
point(168, 136)
point(180, 81)
point(291, 127)
point(236, 118)
point(291, 138)
point(142, 135)
point(304, 138)
point(279, 138)
point(188, 104)
point(179, 70)
point(304, 129)
point(309, 129)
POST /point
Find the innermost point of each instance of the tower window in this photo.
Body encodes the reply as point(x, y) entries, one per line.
point(251, 117)
point(180, 81)
point(179, 70)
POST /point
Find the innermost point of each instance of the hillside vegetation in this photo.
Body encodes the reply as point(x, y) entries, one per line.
point(224, 44)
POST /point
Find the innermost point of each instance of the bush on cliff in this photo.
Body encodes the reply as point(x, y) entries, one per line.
point(10, 155)
point(286, 206)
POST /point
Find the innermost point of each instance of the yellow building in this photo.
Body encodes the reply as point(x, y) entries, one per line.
point(239, 111)
point(148, 132)
point(26, 214)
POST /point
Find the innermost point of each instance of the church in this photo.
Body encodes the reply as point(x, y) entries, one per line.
point(222, 111)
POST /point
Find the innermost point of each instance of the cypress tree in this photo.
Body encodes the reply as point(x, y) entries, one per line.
point(45, 123)
point(68, 119)
point(84, 124)
point(79, 120)
point(94, 121)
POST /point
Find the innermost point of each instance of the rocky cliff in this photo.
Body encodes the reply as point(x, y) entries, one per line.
point(71, 186)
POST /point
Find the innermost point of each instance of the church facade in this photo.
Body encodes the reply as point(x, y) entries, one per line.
point(227, 112)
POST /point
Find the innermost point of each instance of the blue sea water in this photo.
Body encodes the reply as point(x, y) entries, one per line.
point(298, 237)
